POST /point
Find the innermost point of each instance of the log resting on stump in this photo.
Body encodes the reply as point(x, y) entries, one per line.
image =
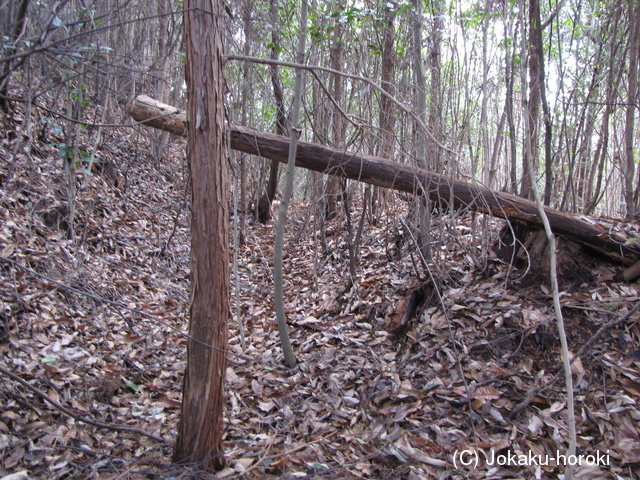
point(404, 178)
point(530, 254)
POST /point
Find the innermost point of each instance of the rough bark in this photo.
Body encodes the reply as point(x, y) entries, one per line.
point(201, 421)
point(384, 173)
point(634, 26)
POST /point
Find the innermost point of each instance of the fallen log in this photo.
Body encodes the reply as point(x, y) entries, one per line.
point(384, 173)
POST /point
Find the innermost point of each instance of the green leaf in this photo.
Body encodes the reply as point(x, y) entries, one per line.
point(132, 386)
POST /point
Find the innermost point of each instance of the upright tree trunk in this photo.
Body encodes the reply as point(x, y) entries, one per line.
point(434, 157)
point(484, 132)
point(531, 137)
point(247, 79)
point(387, 117)
point(613, 80)
point(574, 149)
point(278, 282)
point(634, 24)
point(338, 123)
point(11, 29)
point(423, 204)
point(546, 113)
point(421, 85)
point(337, 59)
point(201, 422)
point(159, 138)
point(509, 80)
point(264, 204)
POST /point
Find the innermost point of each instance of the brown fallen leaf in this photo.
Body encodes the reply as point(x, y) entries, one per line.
point(404, 446)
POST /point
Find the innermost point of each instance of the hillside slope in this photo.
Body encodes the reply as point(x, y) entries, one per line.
point(94, 322)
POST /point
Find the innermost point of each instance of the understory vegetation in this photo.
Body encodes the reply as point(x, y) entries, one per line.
point(96, 324)
point(423, 329)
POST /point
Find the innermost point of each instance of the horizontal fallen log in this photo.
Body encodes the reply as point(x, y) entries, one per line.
point(404, 178)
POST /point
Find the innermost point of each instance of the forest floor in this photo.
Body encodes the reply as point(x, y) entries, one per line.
point(91, 327)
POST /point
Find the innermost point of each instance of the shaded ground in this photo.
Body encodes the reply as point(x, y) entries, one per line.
point(94, 322)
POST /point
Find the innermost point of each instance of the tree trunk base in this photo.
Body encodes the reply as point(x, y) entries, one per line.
point(264, 209)
point(529, 253)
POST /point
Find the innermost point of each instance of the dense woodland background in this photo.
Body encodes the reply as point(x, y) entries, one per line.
point(481, 67)
point(416, 335)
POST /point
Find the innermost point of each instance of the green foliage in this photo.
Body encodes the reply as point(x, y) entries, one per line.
point(132, 386)
point(65, 151)
point(55, 126)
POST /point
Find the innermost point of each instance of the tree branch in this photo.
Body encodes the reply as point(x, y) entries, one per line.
point(366, 80)
point(78, 418)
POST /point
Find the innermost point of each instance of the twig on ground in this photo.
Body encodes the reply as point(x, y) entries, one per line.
point(601, 331)
point(66, 411)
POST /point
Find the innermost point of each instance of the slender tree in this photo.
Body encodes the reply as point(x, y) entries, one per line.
point(510, 48)
point(387, 116)
point(159, 138)
point(435, 104)
point(13, 16)
point(246, 87)
point(632, 107)
point(333, 184)
point(484, 131)
point(533, 103)
point(264, 204)
point(423, 204)
point(613, 79)
point(290, 359)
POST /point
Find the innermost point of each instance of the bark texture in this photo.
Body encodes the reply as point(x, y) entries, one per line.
point(201, 422)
